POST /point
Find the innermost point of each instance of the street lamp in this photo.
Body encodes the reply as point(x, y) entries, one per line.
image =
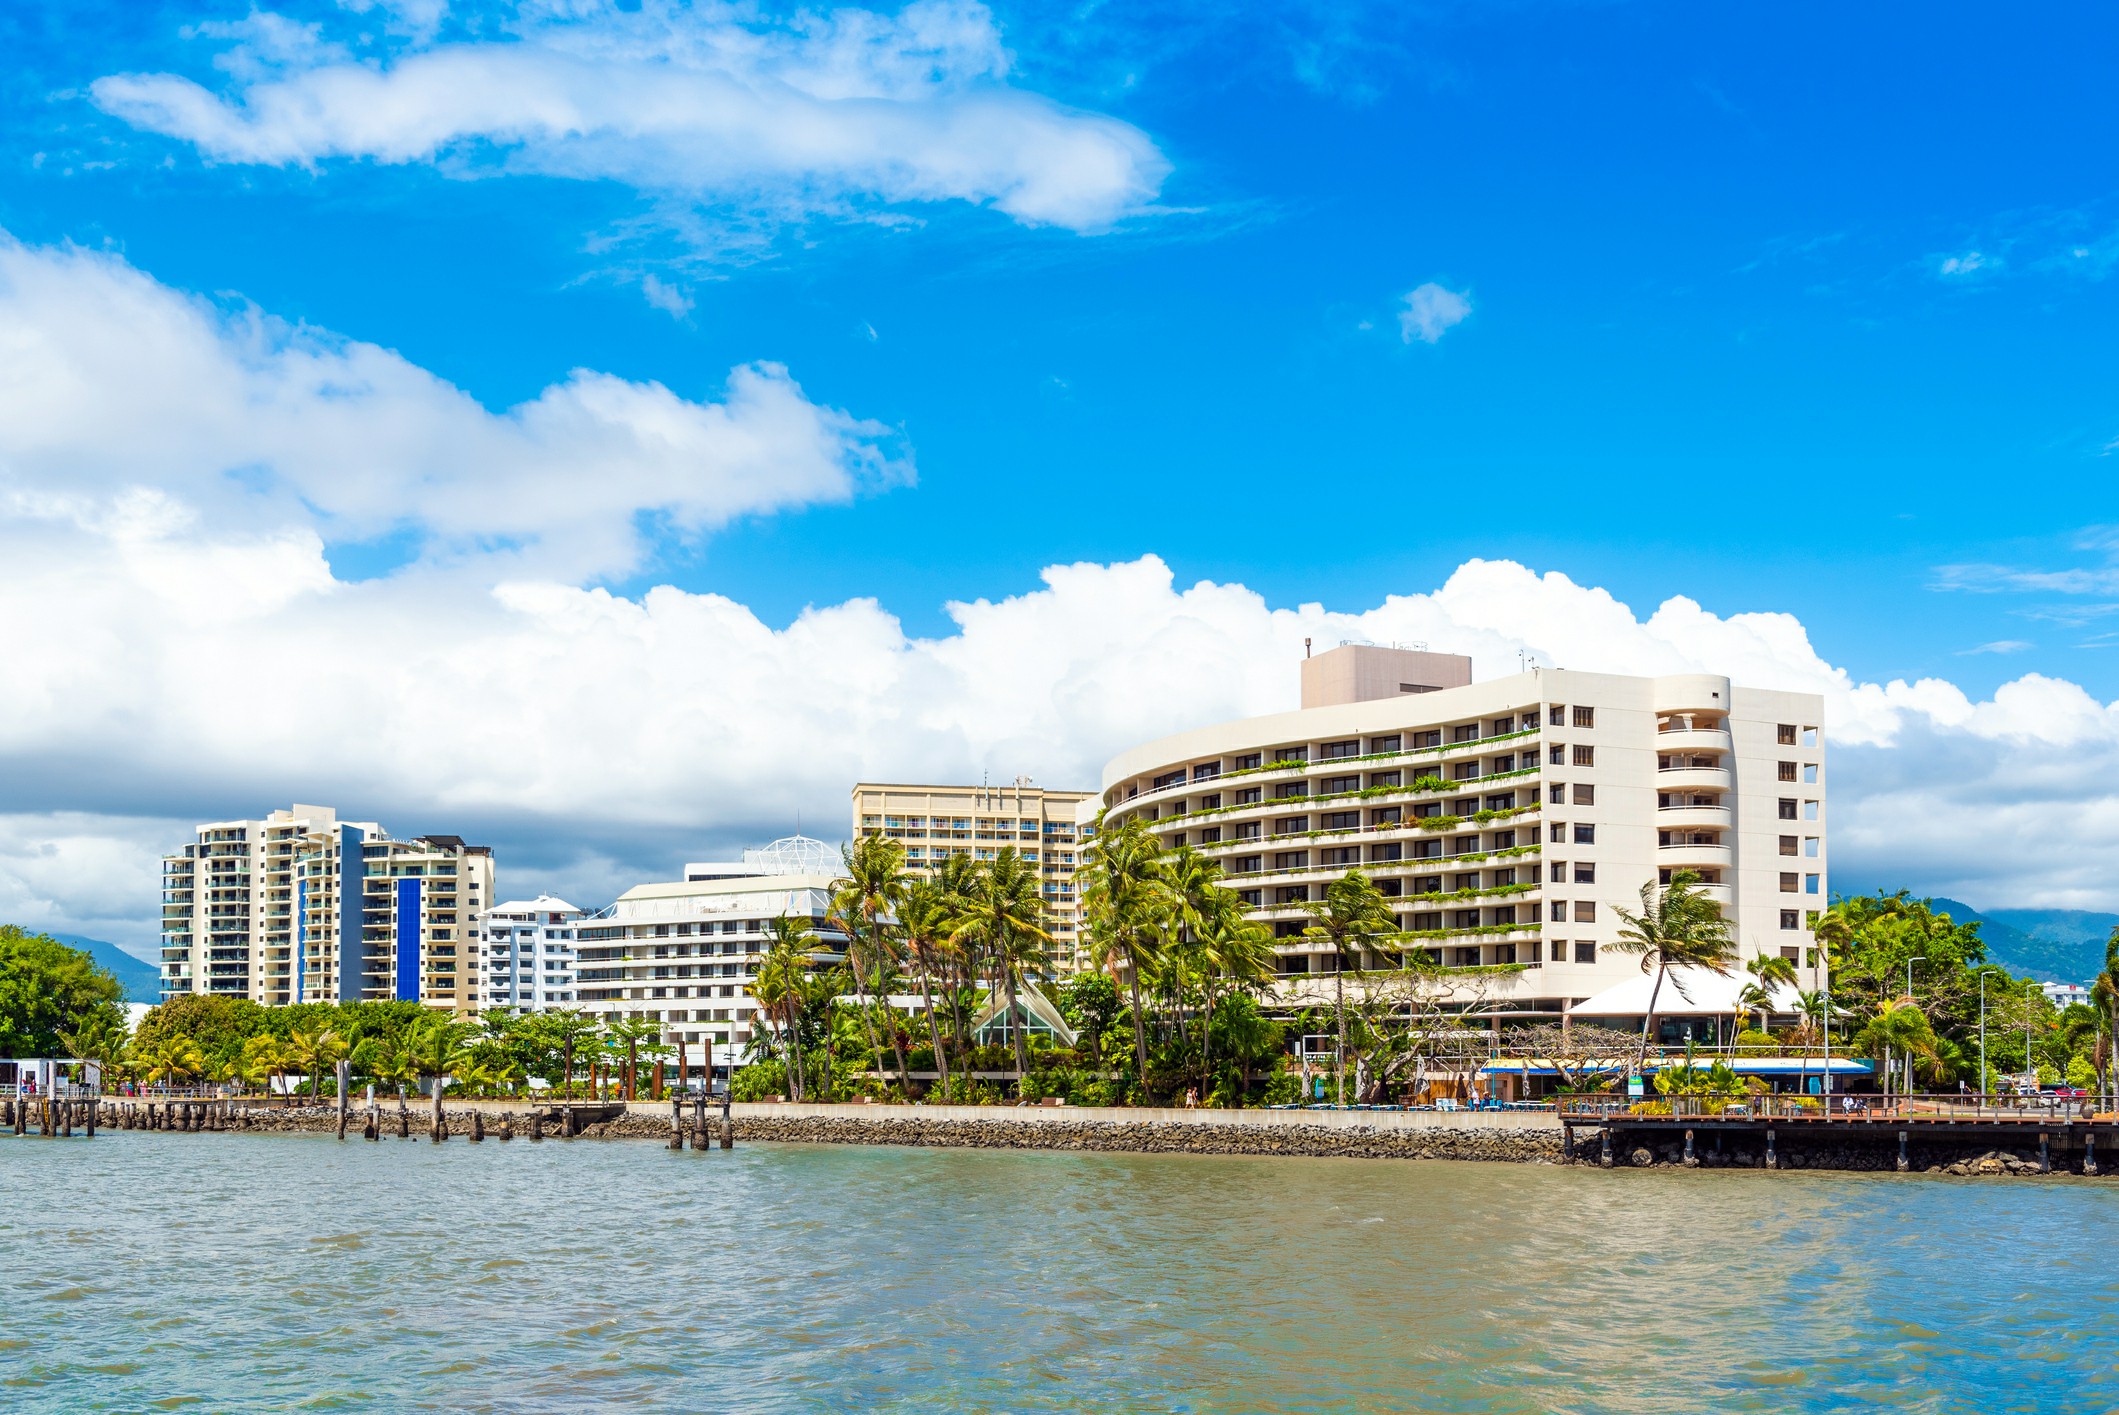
point(1916, 958)
point(1982, 1041)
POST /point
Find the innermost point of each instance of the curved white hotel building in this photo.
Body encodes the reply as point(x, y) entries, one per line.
point(1506, 819)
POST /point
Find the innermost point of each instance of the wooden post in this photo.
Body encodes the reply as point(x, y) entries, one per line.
point(478, 1126)
point(1604, 1158)
point(676, 1120)
point(2089, 1152)
point(344, 1070)
point(2045, 1153)
point(404, 1118)
point(699, 1130)
point(1690, 1158)
point(728, 1123)
point(1773, 1161)
point(536, 1125)
point(66, 1120)
point(1904, 1163)
point(90, 1112)
point(371, 1129)
point(507, 1126)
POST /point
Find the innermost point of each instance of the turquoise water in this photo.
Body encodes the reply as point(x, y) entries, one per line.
point(240, 1273)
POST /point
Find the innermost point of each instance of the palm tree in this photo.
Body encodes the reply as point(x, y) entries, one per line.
point(567, 1028)
point(1125, 895)
point(1767, 972)
point(790, 953)
point(1214, 940)
point(1003, 916)
point(629, 1033)
point(1354, 918)
point(873, 885)
point(173, 1060)
point(1901, 1029)
point(263, 1059)
point(2104, 996)
point(1677, 927)
point(436, 1050)
point(923, 913)
point(312, 1053)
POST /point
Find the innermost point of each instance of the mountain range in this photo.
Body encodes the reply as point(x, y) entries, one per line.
point(2052, 945)
point(142, 981)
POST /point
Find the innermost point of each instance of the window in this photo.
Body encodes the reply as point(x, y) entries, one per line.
point(1556, 794)
point(1342, 820)
point(1504, 725)
point(1210, 836)
point(1463, 771)
point(1289, 790)
point(1205, 771)
point(1585, 756)
point(1809, 810)
point(1291, 860)
point(1810, 883)
point(1789, 919)
point(1502, 764)
point(1247, 864)
point(1787, 812)
point(1558, 874)
point(1787, 770)
point(1584, 911)
point(1250, 898)
point(1429, 738)
point(1559, 911)
point(1585, 795)
point(1383, 815)
point(1585, 717)
point(1585, 874)
point(1467, 733)
point(1292, 894)
point(1809, 773)
point(1252, 795)
point(1333, 751)
point(1557, 835)
point(1557, 756)
point(1386, 778)
point(1585, 835)
point(1787, 884)
point(1294, 825)
point(1809, 736)
point(1556, 715)
point(1247, 763)
point(1248, 830)
point(1385, 744)
point(1784, 735)
point(1787, 845)
point(1585, 951)
point(1810, 844)
point(1504, 840)
point(1177, 839)
point(1427, 849)
point(1392, 851)
point(1793, 955)
point(1333, 785)
point(1210, 803)
point(1423, 809)
point(1173, 778)
point(1345, 855)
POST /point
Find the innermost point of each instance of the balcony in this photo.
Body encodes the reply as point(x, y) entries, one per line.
point(1686, 778)
point(1694, 857)
point(1713, 739)
point(1689, 817)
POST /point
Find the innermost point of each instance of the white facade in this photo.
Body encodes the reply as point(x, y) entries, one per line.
point(684, 954)
point(1508, 818)
point(529, 953)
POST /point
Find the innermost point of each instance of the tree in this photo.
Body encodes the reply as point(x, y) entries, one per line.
point(1767, 972)
point(261, 1061)
point(566, 1030)
point(173, 1060)
point(923, 913)
point(1125, 895)
point(1355, 919)
point(2104, 995)
point(873, 885)
point(1585, 1057)
point(47, 989)
point(437, 1051)
point(1678, 927)
point(217, 1025)
point(790, 953)
point(315, 1052)
point(1002, 915)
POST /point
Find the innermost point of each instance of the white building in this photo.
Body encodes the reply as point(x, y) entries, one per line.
point(1507, 819)
point(2065, 995)
point(684, 954)
point(301, 906)
point(529, 953)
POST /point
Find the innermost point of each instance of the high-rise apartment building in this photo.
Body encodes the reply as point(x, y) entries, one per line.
point(1507, 820)
point(303, 907)
point(684, 954)
point(936, 822)
point(529, 954)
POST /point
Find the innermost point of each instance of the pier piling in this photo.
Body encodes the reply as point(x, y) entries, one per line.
point(478, 1126)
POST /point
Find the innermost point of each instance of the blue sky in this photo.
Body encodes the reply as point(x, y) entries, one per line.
point(1795, 310)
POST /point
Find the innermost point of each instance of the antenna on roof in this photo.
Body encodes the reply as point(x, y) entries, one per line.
point(1305, 646)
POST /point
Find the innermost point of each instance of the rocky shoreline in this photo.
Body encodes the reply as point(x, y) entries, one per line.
point(1341, 1136)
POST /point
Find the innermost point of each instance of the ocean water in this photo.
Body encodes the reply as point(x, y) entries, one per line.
point(253, 1273)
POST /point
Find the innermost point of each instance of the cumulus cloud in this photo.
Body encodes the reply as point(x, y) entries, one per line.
point(1968, 264)
point(700, 103)
point(1432, 311)
point(127, 404)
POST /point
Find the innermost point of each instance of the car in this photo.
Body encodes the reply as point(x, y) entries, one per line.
point(2066, 1093)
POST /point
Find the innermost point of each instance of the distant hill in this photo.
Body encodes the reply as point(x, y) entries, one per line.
point(2052, 945)
point(142, 981)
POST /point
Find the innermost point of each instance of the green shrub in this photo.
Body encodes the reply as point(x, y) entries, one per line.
point(759, 1080)
point(1285, 1088)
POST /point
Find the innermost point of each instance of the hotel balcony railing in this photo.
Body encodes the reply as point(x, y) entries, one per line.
point(1474, 747)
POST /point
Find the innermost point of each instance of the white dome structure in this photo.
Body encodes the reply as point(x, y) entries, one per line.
point(795, 855)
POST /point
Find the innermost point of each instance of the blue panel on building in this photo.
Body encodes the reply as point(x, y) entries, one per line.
point(354, 952)
point(408, 940)
point(301, 932)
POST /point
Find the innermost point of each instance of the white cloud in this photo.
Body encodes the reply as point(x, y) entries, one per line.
point(1431, 311)
point(705, 104)
point(1970, 263)
point(670, 299)
point(178, 646)
point(2001, 646)
point(125, 402)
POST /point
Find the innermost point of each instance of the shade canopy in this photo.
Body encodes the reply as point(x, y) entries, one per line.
point(1686, 992)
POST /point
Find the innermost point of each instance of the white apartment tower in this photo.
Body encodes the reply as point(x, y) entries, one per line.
point(529, 954)
point(1506, 819)
point(936, 822)
point(303, 907)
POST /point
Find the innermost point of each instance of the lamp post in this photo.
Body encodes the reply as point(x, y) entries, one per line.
point(1916, 958)
point(1982, 1041)
point(2030, 1067)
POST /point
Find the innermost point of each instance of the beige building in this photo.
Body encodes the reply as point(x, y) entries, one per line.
point(935, 822)
point(1506, 819)
point(301, 906)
